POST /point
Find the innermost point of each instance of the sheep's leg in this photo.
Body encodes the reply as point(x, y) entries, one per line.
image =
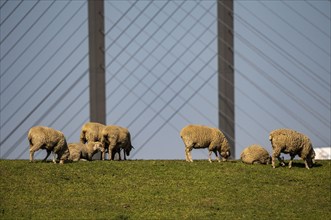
point(34, 148)
point(124, 153)
point(31, 155)
point(274, 155)
point(281, 161)
point(306, 164)
point(89, 157)
point(273, 160)
point(209, 156)
point(218, 156)
point(103, 155)
point(291, 161)
point(188, 155)
point(119, 154)
point(111, 151)
point(48, 153)
point(110, 154)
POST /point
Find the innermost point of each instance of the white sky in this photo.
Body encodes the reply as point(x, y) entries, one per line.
point(162, 71)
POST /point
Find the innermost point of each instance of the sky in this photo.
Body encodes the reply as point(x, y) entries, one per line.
point(161, 71)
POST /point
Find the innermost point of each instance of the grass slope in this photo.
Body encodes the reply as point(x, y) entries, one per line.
point(163, 190)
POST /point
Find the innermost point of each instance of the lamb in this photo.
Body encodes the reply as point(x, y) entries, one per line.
point(52, 140)
point(199, 136)
point(115, 138)
point(255, 154)
point(84, 151)
point(291, 142)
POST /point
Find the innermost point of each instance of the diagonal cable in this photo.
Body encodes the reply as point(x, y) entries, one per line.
point(159, 77)
point(19, 22)
point(47, 112)
point(3, 4)
point(8, 16)
point(37, 88)
point(172, 81)
point(316, 75)
point(140, 62)
point(289, 76)
point(42, 100)
point(306, 19)
point(296, 29)
point(172, 115)
point(317, 9)
point(27, 30)
point(44, 47)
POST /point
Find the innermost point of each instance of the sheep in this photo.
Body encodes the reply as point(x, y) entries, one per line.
point(84, 151)
point(91, 132)
point(126, 144)
point(52, 140)
point(115, 138)
point(255, 154)
point(291, 142)
point(200, 136)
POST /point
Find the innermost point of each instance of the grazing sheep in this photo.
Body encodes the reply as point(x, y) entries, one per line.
point(115, 138)
point(50, 139)
point(127, 146)
point(291, 142)
point(199, 136)
point(255, 154)
point(91, 131)
point(84, 151)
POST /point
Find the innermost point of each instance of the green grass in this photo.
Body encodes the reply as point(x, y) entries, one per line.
point(163, 190)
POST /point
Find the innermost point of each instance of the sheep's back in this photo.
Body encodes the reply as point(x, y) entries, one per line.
point(255, 153)
point(290, 141)
point(45, 135)
point(199, 134)
point(93, 131)
point(75, 146)
point(110, 129)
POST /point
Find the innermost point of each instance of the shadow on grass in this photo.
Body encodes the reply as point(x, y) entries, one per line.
point(302, 164)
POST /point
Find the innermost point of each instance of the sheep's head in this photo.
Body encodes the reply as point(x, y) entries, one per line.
point(311, 158)
point(128, 150)
point(224, 149)
point(97, 146)
point(225, 155)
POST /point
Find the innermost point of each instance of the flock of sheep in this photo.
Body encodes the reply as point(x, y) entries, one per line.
point(112, 139)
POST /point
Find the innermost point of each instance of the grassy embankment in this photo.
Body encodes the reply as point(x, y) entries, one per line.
point(163, 190)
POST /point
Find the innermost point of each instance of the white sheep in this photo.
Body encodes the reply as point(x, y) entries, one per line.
point(291, 142)
point(84, 151)
point(115, 138)
point(255, 154)
point(91, 131)
point(199, 136)
point(52, 140)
